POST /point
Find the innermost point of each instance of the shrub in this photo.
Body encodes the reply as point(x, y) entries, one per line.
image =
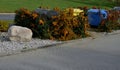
point(4, 26)
point(33, 21)
point(23, 17)
point(58, 25)
point(112, 22)
point(66, 26)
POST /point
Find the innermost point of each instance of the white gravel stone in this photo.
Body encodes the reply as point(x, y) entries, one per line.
point(10, 47)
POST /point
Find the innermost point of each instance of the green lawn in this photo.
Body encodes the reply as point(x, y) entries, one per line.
point(12, 5)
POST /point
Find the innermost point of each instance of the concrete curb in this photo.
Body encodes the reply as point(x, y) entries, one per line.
point(114, 32)
point(7, 13)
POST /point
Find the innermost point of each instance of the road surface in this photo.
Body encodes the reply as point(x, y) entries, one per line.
point(87, 54)
point(7, 16)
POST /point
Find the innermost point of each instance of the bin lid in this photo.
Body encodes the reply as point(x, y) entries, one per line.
point(77, 11)
point(102, 12)
point(96, 10)
point(116, 8)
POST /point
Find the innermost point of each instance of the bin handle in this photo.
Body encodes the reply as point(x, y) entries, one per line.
point(103, 16)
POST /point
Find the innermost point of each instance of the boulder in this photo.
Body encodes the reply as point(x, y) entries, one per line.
point(18, 33)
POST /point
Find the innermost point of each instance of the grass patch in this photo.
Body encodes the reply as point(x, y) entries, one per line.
point(4, 25)
point(12, 5)
point(7, 21)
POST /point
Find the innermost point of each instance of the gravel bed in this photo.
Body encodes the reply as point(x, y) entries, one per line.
point(10, 47)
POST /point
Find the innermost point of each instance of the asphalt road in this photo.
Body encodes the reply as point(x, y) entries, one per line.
point(102, 53)
point(7, 16)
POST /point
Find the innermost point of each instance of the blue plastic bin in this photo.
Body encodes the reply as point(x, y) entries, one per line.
point(95, 16)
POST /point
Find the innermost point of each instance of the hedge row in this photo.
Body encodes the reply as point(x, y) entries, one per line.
point(59, 24)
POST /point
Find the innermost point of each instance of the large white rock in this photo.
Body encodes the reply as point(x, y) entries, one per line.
point(18, 33)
